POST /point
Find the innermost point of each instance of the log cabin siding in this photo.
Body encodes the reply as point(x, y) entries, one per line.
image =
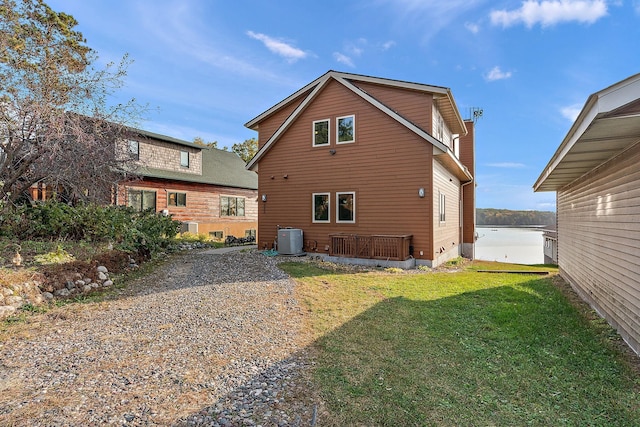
point(203, 204)
point(385, 167)
point(599, 241)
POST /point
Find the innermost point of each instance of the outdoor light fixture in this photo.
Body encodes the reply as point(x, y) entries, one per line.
point(264, 197)
point(421, 192)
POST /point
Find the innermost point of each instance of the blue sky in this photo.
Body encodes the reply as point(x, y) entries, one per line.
point(206, 67)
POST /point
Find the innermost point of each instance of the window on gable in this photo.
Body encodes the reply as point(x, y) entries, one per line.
point(231, 206)
point(177, 199)
point(321, 207)
point(133, 147)
point(346, 129)
point(346, 207)
point(443, 207)
point(184, 159)
point(320, 133)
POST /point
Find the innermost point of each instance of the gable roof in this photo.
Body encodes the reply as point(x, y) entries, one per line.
point(608, 124)
point(443, 95)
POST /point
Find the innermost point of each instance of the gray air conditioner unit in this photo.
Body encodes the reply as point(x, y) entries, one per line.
point(290, 241)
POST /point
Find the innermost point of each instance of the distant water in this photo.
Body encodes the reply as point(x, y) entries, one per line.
point(513, 245)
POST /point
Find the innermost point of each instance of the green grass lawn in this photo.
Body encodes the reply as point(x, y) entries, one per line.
point(461, 348)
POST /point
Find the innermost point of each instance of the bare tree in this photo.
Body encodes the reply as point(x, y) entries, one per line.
point(56, 125)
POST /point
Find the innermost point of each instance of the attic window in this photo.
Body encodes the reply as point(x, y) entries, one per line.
point(346, 129)
point(133, 149)
point(184, 159)
point(320, 133)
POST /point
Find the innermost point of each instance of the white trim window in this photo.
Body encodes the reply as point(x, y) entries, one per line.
point(321, 205)
point(442, 207)
point(346, 129)
point(320, 133)
point(346, 207)
point(133, 147)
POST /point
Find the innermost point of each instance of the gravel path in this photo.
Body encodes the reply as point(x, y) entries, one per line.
point(207, 339)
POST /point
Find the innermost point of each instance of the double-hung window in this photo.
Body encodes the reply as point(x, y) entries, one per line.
point(346, 207)
point(321, 207)
point(321, 133)
point(346, 129)
point(184, 159)
point(133, 149)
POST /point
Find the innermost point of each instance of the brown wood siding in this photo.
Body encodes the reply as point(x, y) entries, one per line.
point(385, 167)
point(446, 235)
point(414, 106)
point(203, 204)
point(271, 124)
point(599, 241)
point(467, 157)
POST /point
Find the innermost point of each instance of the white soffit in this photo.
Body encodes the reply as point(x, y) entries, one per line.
point(608, 124)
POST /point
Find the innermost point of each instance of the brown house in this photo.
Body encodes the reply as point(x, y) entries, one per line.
point(596, 176)
point(370, 170)
point(209, 190)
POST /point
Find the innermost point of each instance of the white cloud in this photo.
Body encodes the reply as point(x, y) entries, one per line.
point(343, 59)
point(497, 74)
point(551, 12)
point(571, 111)
point(388, 45)
point(292, 54)
point(508, 165)
point(636, 6)
point(473, 28)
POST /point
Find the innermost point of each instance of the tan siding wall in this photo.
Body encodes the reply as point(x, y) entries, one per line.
point(385, 167)
point(446, 133)
point(599, 241)
point(446, 235)
point(412, 105)
point(164, 155)
point(203, 204)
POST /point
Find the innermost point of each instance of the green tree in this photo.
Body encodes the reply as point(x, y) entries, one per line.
point(247, 149)
point(200, 141)
point(56, 125)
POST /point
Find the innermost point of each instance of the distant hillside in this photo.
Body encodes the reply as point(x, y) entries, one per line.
point(514, 218)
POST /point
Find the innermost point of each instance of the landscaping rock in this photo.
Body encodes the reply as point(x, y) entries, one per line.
point(107, 283)
point(64, 292)
point(102, 276)
point(102, 269)
point(6, 311)
point(48, 296)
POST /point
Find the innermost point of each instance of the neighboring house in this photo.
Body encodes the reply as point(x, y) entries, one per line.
point(208, 189)
point(596, 175)
point(550, 246)
point(370, 169)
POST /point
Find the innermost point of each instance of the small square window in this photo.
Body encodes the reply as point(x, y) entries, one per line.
point(321, 133)
point(346, 129)
point(216, 235)
point(346, 207)
point(184, 159)
point(321, 207)
point(177, 199)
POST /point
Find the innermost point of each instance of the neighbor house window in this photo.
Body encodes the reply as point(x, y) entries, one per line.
point(443, 207)
point(141, 200)
point(216, 234)
point(250, 233)
point(321, 207)
point(346, 129)
point(184, 159)
point(346, 207)
point(231, 206)
point(134, 149)
point(320, 132)
point(177, 199)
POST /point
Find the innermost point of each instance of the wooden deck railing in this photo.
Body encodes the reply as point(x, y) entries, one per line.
point(387, 247)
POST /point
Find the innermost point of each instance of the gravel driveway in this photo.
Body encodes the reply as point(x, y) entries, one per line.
point(207, 339)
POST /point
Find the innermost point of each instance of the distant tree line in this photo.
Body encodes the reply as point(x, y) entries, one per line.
point(514, 218)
